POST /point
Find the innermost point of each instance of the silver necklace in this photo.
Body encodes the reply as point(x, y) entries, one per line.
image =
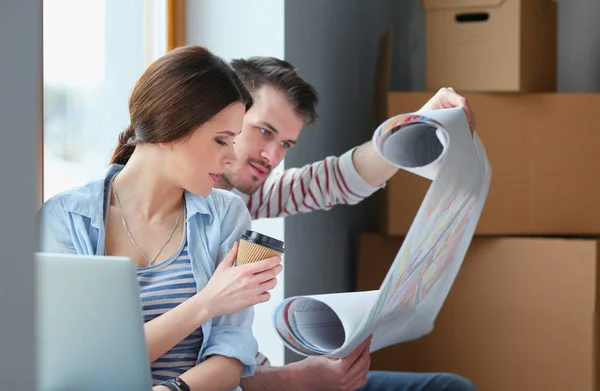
point(131, 237)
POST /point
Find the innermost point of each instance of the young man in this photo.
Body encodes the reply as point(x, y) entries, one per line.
point(284, 104)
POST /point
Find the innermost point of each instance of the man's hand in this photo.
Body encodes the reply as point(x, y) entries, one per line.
point(447, 98)
point(375, 170)
point(326, 374)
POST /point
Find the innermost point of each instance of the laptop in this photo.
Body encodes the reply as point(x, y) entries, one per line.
point(89, 325)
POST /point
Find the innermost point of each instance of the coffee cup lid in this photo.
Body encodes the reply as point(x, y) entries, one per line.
point(264, 240)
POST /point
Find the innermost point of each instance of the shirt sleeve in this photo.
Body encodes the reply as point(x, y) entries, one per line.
point(231, 335)
point(317, 186)
point(52, 228)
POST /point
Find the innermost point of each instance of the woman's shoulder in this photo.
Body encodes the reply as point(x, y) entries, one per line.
point(226, 197)
point(218, 198)
point(219, 203)
point(84, 196)
point(64, 198)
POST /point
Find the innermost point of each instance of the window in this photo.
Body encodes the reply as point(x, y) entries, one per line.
point(94, 51)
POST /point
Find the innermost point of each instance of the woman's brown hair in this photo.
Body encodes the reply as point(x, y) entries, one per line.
point(177, 93)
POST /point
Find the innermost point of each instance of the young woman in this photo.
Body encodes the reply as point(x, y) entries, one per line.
point(156, 205)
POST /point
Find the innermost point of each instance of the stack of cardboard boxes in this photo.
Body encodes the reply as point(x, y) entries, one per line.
point(522, 313)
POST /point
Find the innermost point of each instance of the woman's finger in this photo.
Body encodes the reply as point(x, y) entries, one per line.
point(257, 267)
point(268, 274)
point(262, 298)
point(267, 285)
point(229, 259)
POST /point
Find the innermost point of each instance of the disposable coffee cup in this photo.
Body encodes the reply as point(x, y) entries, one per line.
point(255, 247)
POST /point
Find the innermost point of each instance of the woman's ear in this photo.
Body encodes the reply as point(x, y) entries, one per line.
point(166, 146)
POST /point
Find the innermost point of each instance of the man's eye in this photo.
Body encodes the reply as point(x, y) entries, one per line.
point(264, 131)
point(286, 145)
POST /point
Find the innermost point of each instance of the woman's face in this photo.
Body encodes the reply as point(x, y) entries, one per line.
point(198, 161)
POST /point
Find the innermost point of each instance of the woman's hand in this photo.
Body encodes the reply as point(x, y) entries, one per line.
point(234, 288)
point(231, 289)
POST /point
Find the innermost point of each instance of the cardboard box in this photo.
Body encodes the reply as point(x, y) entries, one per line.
point(543, 149)
point(521, 315)
point(491, 45)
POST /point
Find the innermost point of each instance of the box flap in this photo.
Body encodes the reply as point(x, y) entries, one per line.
point(429, 5)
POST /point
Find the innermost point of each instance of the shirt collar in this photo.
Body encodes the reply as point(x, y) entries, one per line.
point(89, 199)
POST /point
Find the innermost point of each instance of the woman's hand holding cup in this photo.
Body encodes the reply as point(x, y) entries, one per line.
point(234, 288)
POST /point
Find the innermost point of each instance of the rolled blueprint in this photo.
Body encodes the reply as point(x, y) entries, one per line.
point(439, 146)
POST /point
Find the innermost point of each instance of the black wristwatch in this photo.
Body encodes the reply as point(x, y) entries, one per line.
point(170, 385)
point(176, 384)
point(181, 384)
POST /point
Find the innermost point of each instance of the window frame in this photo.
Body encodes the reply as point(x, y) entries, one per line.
point(176, 24)
point(176, 36)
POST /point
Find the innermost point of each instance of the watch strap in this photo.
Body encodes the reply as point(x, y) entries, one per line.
point(170, 384)
point(181, 384)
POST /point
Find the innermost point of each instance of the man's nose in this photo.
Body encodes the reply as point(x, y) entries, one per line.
point(271, 153)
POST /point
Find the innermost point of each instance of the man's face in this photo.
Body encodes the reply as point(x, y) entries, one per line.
point(271, 127)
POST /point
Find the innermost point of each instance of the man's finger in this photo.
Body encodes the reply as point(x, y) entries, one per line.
point(472, 119)
point(453, 99)
point(367, 343)
point(362, 362)
point(360, 380)
point(359, 371)
point(350, 359)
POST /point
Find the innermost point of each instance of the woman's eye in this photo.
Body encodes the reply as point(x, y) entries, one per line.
point(221, 143)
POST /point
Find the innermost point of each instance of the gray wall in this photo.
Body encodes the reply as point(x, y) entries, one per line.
point(21, 118)
point(334, 45)
point(408, 47)
point(578, 46)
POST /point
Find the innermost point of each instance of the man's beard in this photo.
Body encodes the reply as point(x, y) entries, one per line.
point(247, 188)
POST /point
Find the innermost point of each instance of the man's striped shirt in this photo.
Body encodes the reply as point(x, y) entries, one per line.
point(317, 186)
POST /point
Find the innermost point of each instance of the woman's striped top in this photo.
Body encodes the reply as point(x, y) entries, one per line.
point(163, 287)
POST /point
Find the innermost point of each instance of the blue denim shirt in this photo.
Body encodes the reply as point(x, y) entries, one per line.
point(73, 222)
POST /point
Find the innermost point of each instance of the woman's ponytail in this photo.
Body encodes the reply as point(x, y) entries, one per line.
point(125, 149)
point(168, 102)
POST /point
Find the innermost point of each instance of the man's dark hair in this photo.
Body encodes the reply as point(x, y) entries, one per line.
point(256, 72)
